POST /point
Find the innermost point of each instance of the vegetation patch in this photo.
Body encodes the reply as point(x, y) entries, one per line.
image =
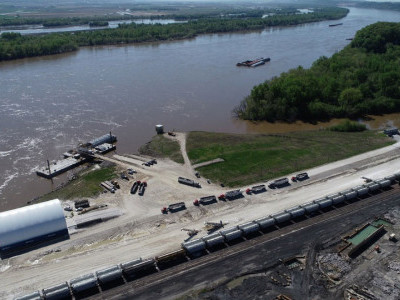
point(86, 185)
point(14, 45)
point(161, 146)
point(361, 79)
point(254, 158)
point(348, 126)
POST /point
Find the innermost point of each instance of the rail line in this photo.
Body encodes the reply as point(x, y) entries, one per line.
point(237, 249)
point(234, 241)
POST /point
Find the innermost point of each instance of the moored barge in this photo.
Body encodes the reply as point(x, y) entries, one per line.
point(253, 63)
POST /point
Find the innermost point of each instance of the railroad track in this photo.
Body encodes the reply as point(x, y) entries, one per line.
point(347, 209)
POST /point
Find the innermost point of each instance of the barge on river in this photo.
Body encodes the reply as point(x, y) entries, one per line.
point(253, 63)
point(74, 158)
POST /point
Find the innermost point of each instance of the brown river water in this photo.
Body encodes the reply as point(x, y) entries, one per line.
point(50, 104)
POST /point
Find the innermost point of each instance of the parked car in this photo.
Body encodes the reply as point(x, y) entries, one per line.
point(67, 208)
point(131, 171)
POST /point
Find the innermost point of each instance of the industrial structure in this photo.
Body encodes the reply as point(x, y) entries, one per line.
point(27, 227)
point(107, 138)
point(75, 157)
point(159, 129)
point(361, 237)
point(210, 242)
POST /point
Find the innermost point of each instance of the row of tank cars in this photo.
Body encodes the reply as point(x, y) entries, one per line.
point(118, 274)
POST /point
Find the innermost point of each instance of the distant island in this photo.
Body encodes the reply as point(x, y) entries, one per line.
point(361, 79)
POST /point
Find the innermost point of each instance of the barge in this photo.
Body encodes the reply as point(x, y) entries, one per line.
point(58, 167)
point(82, 154)
point(253, 63)
point(337, 24)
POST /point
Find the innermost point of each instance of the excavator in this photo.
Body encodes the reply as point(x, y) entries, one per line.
point(366, 180)
point(212, 226)
point(191, 232)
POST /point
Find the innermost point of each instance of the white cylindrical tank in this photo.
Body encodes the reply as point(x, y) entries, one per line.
point(159, 129)
point(31, 223)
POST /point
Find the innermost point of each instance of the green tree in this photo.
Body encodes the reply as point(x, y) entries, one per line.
point(350, 97)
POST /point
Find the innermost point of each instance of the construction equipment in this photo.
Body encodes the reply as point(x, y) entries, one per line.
point(256, 189)
point(135, 186)
point(173, 207)
point(205, 200)
point(142, 187)
point(82, 203)
point(124, 176)
point(366, 180)
point(115, 184)
point(212, 226)
point(108, 186)
point(188, 182)
point(231, 195)
point(282, 182)
point(191, 232)
point(301, 176)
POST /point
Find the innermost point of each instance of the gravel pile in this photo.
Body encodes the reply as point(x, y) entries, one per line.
point(395, 266)
point(393, 215)
point(386, 287)
point(333, 263)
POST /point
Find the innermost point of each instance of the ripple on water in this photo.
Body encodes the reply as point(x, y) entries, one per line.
point(8, 176)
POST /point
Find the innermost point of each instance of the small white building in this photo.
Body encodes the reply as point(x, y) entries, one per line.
point(159, 129)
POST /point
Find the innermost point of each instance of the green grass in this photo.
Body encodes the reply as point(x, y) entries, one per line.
point(161, 146)
point(348, 126)
point(86, 185)
point(254, 158)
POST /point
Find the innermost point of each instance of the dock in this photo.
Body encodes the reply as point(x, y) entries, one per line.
point(75, 157)
point(60, 166)
point(105, 148)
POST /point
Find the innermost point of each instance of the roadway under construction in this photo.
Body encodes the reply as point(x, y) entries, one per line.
point(259, 254)
point(142, 231)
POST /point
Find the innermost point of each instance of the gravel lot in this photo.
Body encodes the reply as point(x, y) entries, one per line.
point(142, 231)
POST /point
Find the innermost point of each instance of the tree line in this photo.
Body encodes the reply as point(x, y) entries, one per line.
point(54, 22)
point(14, 46)
point(361, 79)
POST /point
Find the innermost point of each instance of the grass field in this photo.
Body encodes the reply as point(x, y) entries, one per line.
point(161, 146)
point(253, 158)
point(86, 185)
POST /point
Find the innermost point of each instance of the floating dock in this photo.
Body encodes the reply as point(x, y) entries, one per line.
point(61, 166)
point(105, 148)
point(76, 157)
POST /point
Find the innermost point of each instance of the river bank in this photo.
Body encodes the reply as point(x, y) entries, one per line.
point(17, 46)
